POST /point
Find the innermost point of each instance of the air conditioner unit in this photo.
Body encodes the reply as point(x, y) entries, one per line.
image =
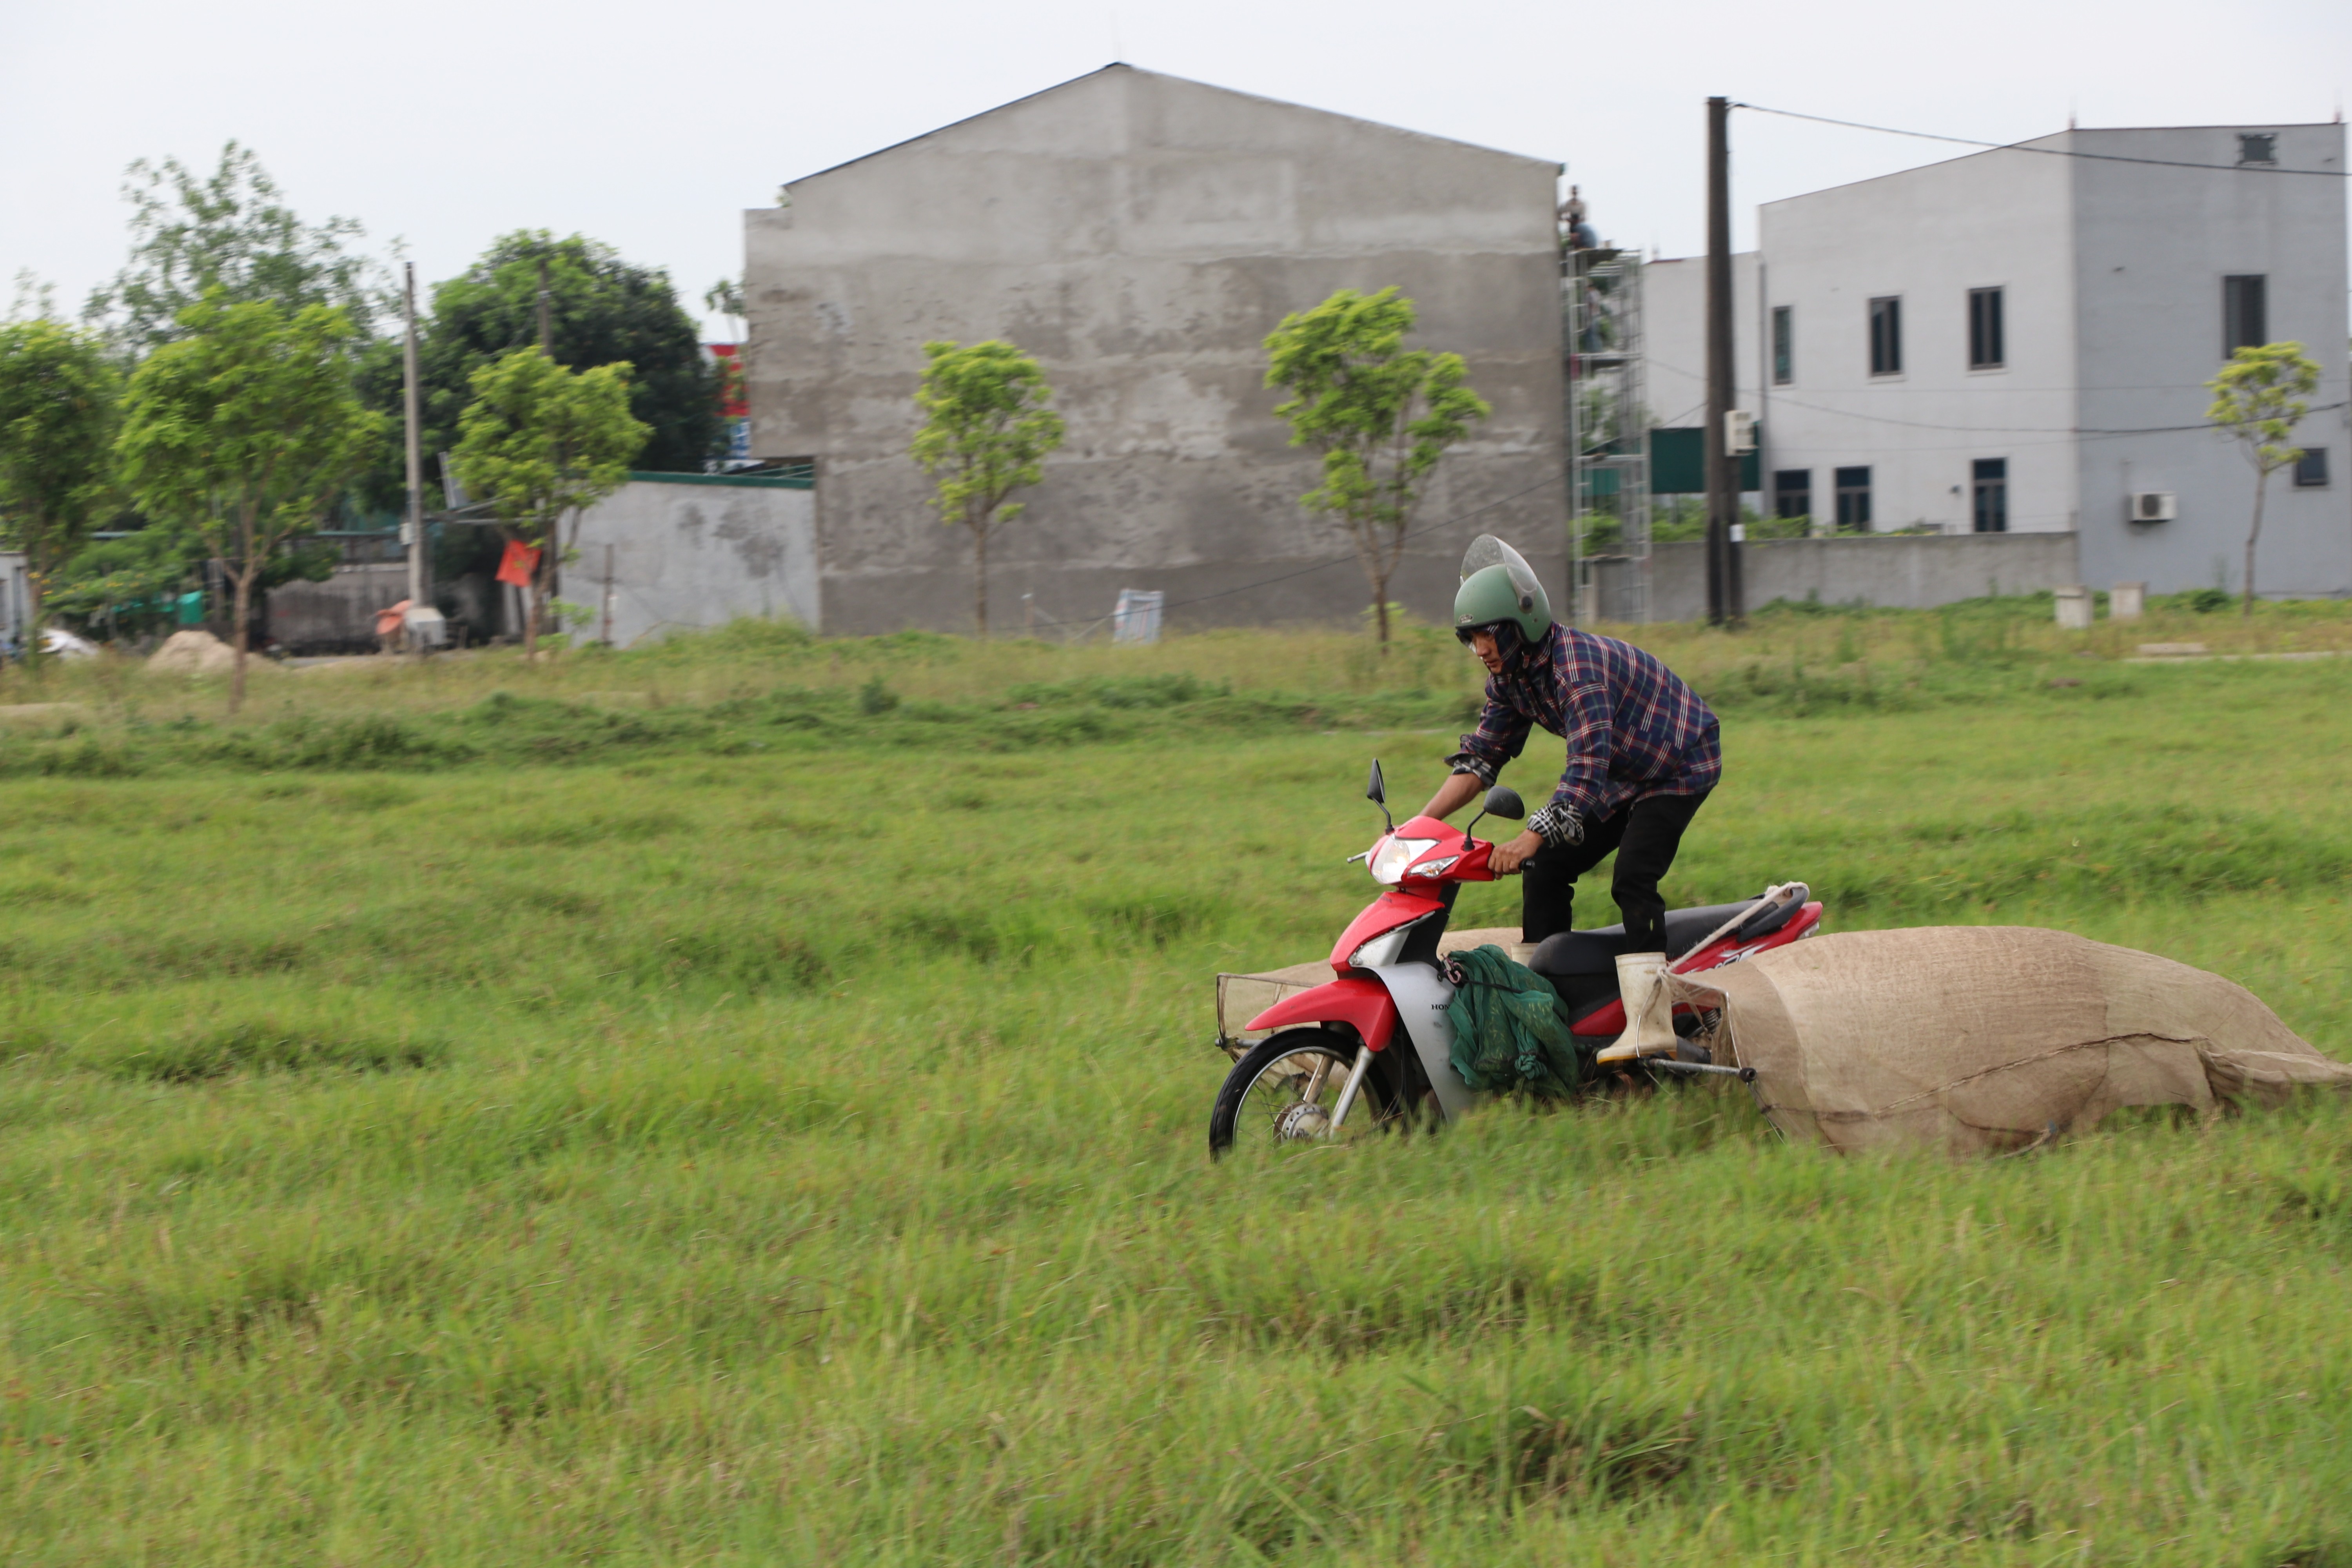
point(2154, 506)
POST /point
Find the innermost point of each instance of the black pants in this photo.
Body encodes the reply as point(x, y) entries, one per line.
point(1645, 835)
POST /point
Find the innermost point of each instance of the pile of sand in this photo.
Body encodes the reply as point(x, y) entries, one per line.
point(193, 652)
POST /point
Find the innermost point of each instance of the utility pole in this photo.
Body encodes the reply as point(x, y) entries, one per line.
point(608, 594)
point(1723, 586)
point(416, 454)
point(554, 543)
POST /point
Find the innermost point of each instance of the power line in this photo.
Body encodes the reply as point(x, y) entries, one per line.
point(1978, 389)
point(2057, 430)
point(2051, 151)
point(2062, 430)
point(2018, 429)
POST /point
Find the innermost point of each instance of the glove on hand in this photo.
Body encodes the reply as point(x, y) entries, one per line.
point(1561, 826)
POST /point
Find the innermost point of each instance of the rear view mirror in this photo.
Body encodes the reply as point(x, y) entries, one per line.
point(1501, 801)
point(1376, 791)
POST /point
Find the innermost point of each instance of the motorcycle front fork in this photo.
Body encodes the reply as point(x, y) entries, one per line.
point(1349, 1091)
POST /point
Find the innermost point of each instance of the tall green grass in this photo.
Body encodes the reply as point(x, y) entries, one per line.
point(594, 1137)
point(1791, 658)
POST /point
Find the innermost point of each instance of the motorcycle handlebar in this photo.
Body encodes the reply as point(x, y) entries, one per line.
point(1474, 845)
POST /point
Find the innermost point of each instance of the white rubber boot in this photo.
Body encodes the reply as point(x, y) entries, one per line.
point(1649, 1009)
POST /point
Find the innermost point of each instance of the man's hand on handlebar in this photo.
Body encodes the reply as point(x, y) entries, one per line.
point(1506, 858)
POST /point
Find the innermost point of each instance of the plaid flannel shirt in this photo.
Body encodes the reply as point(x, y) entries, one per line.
point(1633, 728)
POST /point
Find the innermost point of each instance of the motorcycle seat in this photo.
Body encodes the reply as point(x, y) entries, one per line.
point(1581, 952)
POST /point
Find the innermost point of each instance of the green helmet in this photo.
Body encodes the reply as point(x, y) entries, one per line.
point(1497, 585)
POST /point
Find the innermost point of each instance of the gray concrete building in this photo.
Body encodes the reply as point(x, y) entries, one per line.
point(1140, 235)
point(2019, 341)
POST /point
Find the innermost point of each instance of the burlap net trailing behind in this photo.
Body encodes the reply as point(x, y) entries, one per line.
point(1983, 1038)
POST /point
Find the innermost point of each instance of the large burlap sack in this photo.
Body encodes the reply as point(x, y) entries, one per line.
point(1982, 1039)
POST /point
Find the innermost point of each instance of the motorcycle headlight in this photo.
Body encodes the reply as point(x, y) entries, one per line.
point(1392, 856)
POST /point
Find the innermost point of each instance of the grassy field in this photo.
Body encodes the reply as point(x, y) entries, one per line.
point(745, 1103)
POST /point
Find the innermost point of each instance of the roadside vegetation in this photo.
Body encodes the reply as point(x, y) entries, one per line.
point(235, 396)
point(743, 1100)
point(770, 685)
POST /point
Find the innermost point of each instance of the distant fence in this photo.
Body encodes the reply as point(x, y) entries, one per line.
point(1891, 570)
point(664, 552)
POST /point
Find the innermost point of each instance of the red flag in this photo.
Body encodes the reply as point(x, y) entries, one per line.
point(518, 565)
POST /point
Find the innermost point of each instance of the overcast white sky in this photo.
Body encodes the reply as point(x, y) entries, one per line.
point(444, 123)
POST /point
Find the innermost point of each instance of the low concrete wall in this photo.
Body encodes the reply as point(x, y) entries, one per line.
point(1901, 570)
point(337, 615)
point(695, 550)
point(1243, 576)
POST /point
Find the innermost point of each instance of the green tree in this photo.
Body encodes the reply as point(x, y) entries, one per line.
point(58, 397)
point(133, 583)
point(725, 297)
point(142, 573)
point(541, 441)
point(230, 231)
point(986, 431)
point(245, 432)
point(602, 311)
point(2259, 397)
point(1381, 415)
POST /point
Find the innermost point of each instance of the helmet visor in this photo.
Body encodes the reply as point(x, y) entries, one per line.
point(1504, 633)
point(1488, 550)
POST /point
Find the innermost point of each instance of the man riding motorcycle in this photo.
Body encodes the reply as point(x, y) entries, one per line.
point(1642, 750)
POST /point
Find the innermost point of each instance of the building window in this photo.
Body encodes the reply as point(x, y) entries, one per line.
point(1989, 480)
point(1986, 350)
point(2257, 149)
point(1784, 354)
point(1792, 493)
point(2311, 468)
point(1853, 498)
point(2244, 312)
point(1886, 336)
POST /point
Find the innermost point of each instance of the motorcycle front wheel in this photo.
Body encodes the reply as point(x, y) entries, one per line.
point(1284, 1089)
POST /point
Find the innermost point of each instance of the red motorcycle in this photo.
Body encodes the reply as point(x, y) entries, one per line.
point(1333, 1060)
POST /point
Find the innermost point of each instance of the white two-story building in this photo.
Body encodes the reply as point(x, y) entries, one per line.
point(2020, 341)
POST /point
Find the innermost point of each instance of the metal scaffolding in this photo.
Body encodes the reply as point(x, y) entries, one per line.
point(1607, 434)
